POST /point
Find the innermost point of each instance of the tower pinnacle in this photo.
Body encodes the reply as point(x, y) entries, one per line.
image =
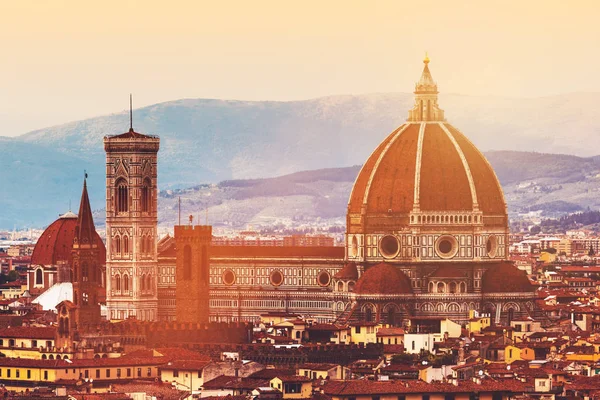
point(426, 98)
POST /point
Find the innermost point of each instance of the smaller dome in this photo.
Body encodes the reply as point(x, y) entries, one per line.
point(348, 272)
point(383, 279)
point(505, 278)
point(55, 245)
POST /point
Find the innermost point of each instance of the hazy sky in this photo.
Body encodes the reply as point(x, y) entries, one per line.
point(69, 60)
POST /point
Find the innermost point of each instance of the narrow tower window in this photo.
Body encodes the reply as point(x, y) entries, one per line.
point(145, 200)
point(122, 196)
point(39, 279)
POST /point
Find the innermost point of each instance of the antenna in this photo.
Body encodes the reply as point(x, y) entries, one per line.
point(130, 113)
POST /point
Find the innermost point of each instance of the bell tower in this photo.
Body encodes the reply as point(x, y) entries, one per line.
point(131, 225)
point(86, 271)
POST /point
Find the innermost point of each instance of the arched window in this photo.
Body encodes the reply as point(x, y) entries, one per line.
point(187, 262)
point(125, 245)
point(463, 287)
point(145, 198)
point(126, 283)
point(143, 245)
point(431, 287)
point(122, 200)
point(441, 288)
point(143, 282)
point(84, 272)
point(118, 283)
point(39, 278)
point(351, 286)
point(149, 283)
point(368, 314)
point(149, 244)
point(391, 317)
point(452, 287)
point(118, 245)
point(340, 286)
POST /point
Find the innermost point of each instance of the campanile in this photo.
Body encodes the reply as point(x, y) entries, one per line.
point(131, 226)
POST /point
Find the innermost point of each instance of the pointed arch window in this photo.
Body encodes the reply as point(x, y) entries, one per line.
point(84, 272)
point(143, 282)
point(125, 245)
point(145, 198)
point(126, 283)
point(118, 245)
point(122, 196)
point(143, 245)
point(118, 282)
point(149, 283)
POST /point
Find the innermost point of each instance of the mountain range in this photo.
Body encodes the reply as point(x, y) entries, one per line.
point(210, 141)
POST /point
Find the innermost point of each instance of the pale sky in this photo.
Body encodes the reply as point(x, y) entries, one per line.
point(68, 60)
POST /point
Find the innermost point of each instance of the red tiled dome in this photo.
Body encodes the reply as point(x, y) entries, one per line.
point(387, 180)
point(505, 278)
point(425, 166)
point(56, 243)
point(348, 272)
point(383, 279)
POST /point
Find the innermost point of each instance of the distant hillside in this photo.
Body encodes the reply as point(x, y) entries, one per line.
point(205, 140)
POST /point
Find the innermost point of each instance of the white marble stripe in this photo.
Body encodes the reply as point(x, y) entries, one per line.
point(465, 166)
point(383, 153)
point(416, 202)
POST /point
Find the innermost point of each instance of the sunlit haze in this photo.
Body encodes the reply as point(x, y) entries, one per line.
point(69, 60)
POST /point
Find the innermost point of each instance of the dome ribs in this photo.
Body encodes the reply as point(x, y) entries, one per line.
point(489, 193)
point(360, 185)
point(444, 185)
point(393, 178)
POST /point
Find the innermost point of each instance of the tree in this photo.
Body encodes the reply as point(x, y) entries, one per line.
point(13, 276)
point(534, 230)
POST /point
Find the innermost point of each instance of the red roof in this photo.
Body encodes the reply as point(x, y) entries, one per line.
point(348, 272)
point(277, 251)
point(28, 332)
point(56, 243)
point(383, 279)
point(504, 277)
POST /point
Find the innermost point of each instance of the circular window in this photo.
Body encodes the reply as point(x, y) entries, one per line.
point(276, 278)
point(228, 277)
point(324, 278)
point(389, 246)
point(354, 247)
point(446, 246)
point(491, 246)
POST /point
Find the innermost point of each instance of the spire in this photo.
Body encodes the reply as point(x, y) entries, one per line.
point(130, 113)
point(85, 230)
point(426, 98)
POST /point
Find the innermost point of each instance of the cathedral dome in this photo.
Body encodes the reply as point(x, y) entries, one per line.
point(427, 166)
point(56, 243)
point(383, 279)
point(505, 278)
point(426, 194)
